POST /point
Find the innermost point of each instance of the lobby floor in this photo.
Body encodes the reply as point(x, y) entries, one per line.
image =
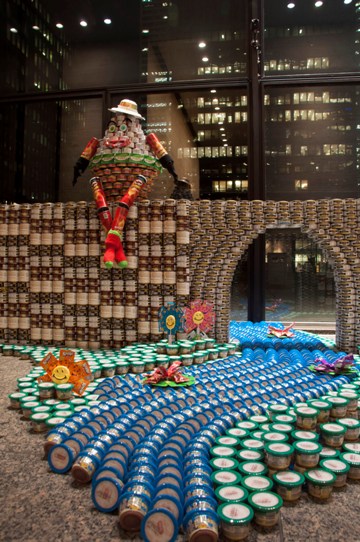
point(40, 506)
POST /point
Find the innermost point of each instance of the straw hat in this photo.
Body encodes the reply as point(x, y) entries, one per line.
point(128, 107)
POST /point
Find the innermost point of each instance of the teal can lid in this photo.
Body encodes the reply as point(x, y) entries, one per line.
point(222, 451)
point(277, 408)
point(265, 501)
point(228, 440)
point(42, 408)
point(252, 444)
point(279, 449)
point(307, 447)
point(279, 427)
point(224, 463)
point(284, 418)
point(289, 478)
point(54, 421)
point(250, 455)
point(221, 477)
point(349, 423)
point(307, 411)
point(335, 465)
point(320, 477)
point(235, 513)
point(231, 493)
point(352, 458)
point(320, 404)
point(301, 434)
point(257, 483)
point(63, 406)
point(275, 436)
point(64, 387)
point(333, 428)
point(327, 452)
point(255, 468)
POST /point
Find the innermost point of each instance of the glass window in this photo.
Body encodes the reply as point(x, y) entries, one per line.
point(314, 152)
point(299, 280)
point(300, 39)
point(239, 291)
point(60, 45)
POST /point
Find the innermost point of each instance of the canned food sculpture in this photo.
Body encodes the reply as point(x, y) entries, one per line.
point(125, 163)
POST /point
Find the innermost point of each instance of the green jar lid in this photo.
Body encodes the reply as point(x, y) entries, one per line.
point(289, 478)
point(279, 449)
point(259, 419)
point(247, 424)
point(64, 387)
point(307, 447)
point(40, 417)
point(275, 436)
point(327, 452)
point(235, 513)
point(320, 477)
point(265, 501)
point(352, 458)
point(349, 423)
point(237, 432)
point(162, 357)
point(222, 451)
point(228, 440)
point(137, 363)
point(257, 483)
point(320, 404)
point(186, 357)
point(199, 354)
point(280, 427)
point(332, 429)
point(46, 385)
point(301, 434)
point(231, 493)
point(252, 444)
point(54, 421)
point(42, 408)
point(76, 401)
point(307, 412)
point(348, 394)
point(278, 408)
point(64, 413)
point(226, 477)
point(63, 406)
point(250, 455)
point(338, 401)
point(352, 447)
point(52, 402)
point(30, 405)
point(335, 465)
point(224, 463)
point(30, 390)
point(34, 397)
point(254, 468)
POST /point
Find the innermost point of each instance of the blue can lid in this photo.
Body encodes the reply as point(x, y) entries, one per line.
point(61, 458)
point(153, 519)
point(193, 513)
point(106, 493)
point(167, 486)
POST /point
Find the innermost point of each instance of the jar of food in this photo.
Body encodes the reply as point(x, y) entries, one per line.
point(352, 396)
point(257, 483)
point(352, 447)
point(15, 399)
point(338, 406)
point(221, 477)
point(320, 483)
point(159, 525)
point(172, 349)
point(38, 421)
point(266, 507)
point(64, 392)
point(332, 434)
point(122, 367)
point(273, 436)
point(186, 359)
point(228, 440)
point(280, 427)
point(235, 521)
point(279, 455)
point(306, 417)
point(284, 418)
point(231, 494)
point(323, 407)
point(259, 419)
point(198, 358)
point(223, 451)
point(27, 408)
point(352, 428)
point(353, 459)
point(327, 453)
point(307, 453)
point(339, 468)
point(289, 485)
point(201, 525)
point(247, 425)
point(132, 509)
point(46, 390)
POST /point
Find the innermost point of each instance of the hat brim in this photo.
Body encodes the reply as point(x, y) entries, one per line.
point(126, 111)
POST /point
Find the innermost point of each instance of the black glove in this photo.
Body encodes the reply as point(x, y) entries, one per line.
point(79, 168)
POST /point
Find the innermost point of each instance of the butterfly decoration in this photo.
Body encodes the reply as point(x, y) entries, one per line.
point(169, 377)
point(281, 333)
point(342, 366)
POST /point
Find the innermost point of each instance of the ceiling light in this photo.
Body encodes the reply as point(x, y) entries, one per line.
point(107, 21)
point(222, 129)
point(59, 25)
point(144, 49)
point(202, 44)
point(83, 23)
point(145, 31)
point(217, 108)
point(291, 5)
point(35, 27)
point(165, 17)
point(318, 3)
point(347, 1)
point(213, 91)
point(13, 30)
point(205, 59)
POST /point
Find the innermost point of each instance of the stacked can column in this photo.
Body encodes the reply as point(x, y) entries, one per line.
point(3, 273)
point(156, 266)
point(24, 274)
point(353, 219)
point(69, 275)
point(144, 272)
point(81, 274)
point(13, 273)
point(183, 253)
point(106, 302)
point(169, 251)
point(57, 251)
point(195, 239)
point(130, 275)
point(35, 282)
point(94, 279)
point(45, 274)
point(200, 252)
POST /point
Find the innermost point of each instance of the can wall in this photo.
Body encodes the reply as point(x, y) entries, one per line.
point(53, 289)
